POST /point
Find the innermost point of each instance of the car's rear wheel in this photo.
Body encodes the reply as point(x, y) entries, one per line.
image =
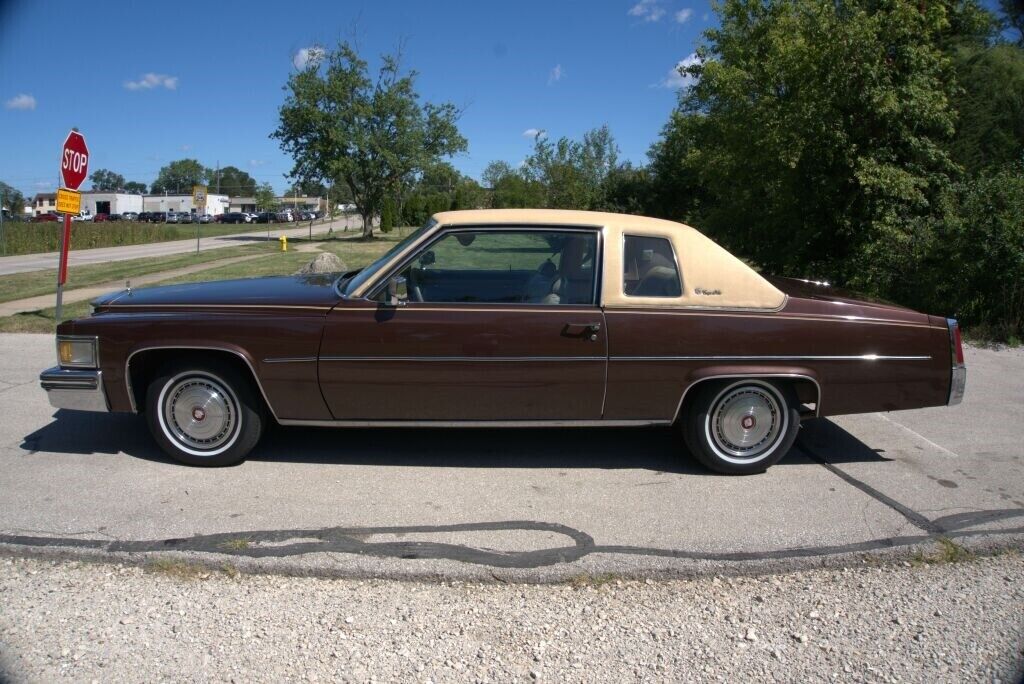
point(740, 427)
point(204, 414)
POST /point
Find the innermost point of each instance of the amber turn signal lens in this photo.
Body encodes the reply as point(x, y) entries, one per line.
point(77, 353)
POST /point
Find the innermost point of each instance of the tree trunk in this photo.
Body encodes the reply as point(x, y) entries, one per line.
point(367, 225)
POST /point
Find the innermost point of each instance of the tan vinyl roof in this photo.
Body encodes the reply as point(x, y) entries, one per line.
point(711, 276)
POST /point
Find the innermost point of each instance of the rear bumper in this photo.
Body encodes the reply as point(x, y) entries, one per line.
point(957, 385)
point(74, 389)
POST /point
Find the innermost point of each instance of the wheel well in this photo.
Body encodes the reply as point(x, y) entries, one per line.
point(807, 390)
point(143, 367)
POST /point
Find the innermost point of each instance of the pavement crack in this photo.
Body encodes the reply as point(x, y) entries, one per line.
point(916, 519)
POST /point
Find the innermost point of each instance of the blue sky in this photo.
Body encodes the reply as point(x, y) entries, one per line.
point(148, 83)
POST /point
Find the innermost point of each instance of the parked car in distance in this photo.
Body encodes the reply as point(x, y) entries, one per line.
point(113, 217)
point(285, 216)
point(100, 218)
point(235, 217)
point(158, 217)
point(46, 218)
point(204, 218)
point(84, 216)
point(131, 216)
point(266, 217)
point(143, 217)
point(512, 318)
point(185, 217)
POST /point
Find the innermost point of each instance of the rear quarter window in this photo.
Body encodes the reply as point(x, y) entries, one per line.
point(649, 267)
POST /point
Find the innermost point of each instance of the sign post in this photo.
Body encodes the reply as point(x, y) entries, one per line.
point(199, 202)
point(74, 167)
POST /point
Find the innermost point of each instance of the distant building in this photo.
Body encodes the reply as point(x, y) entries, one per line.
point(44, 203)
point(245, 205)
point(96, 202)
point(215, 204)
point(302, 203)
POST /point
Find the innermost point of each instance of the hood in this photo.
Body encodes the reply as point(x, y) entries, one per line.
point(298, 291)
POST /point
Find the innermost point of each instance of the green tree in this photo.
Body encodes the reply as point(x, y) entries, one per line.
point(265, 198)
point(1013, 18)
point(12, 202)
point(231, 180)
point(371, 134)
point(511, 188)
point(107, 181)
point(990, 106)
point(178, 177)
point(573, 173)
point(135, 187)
point(820, 134)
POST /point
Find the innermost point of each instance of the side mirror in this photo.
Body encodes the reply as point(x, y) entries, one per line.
point(398, 291)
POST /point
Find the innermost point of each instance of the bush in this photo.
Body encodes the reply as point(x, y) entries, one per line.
point(977, 269)
point(32, 238)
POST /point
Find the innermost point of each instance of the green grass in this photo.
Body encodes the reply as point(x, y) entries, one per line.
point(33, 238)
point(34, 283)
point(353, 251)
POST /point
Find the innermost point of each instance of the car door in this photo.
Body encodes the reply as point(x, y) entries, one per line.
point(494, 324)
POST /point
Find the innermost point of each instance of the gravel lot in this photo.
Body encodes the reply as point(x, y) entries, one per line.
point(955, 622)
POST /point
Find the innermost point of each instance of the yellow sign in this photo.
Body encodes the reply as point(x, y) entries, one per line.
point(199, 197)
point(68, 201)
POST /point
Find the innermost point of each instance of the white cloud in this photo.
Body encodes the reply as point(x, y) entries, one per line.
point(186, 148)
point(676, 80)
point(22, 101)
point(150, 81)
point(683, 15)
point(556, 74)
point(307, 56)
point(648, 10)
point(532, 133)
point(256, 162)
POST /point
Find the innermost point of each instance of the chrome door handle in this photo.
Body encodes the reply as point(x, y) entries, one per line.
point(587, 330)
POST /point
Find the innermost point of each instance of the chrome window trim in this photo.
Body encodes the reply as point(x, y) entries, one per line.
point(958, 371)
point(255, 375)
point(675, 260)
point(374, 287)
point(473, 423)
point(94, 339)
point(752, 376)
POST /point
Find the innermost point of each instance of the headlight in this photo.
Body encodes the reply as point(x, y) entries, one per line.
point(77, 352)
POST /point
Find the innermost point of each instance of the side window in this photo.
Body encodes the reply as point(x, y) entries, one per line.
point(504, 267)
point(649, 268)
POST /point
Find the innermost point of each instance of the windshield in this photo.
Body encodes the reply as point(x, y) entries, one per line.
point(364, 275)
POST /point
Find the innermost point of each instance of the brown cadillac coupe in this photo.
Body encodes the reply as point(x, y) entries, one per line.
point(508, 318)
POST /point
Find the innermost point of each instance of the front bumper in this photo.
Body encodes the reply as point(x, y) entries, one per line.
point(75, 389)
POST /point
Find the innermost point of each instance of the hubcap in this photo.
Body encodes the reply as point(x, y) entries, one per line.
point(200, 413)
point(746, 422)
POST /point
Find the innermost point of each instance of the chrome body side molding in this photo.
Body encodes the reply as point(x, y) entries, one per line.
point(472, 423)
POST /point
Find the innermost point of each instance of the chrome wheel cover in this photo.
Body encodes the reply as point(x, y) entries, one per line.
point(746, 422)
point(199, 413)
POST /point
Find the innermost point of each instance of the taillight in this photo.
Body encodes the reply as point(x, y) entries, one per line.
point(956, 342)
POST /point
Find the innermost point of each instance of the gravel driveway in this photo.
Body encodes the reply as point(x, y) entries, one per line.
point(951, 622)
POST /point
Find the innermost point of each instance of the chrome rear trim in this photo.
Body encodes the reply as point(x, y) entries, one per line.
point(473, 423)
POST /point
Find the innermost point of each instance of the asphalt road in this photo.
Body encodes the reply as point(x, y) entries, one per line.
point(530, 504)
point(82, 257)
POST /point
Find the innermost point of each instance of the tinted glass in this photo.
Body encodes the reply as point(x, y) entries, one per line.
point(649, 268)
point(505, 267)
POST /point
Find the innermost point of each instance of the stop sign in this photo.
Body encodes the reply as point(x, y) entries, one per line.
point(74, 160)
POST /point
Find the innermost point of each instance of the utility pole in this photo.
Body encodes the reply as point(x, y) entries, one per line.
point(2, 241)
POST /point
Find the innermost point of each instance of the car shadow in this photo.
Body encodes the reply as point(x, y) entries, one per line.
point(655, 449)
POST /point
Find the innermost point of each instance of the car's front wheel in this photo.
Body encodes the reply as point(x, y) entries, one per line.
point(740, 427)
point(204, 414)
